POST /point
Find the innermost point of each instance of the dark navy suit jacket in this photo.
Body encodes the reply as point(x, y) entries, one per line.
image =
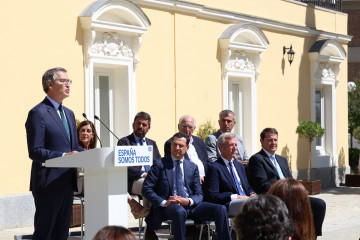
point(262, 173)
point(47, 138)
point(134, 173)
point(159, 186)
point(199, 147)
point(221, 185)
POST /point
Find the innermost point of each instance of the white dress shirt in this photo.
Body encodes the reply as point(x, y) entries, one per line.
point(194, 157)
point(233, 196)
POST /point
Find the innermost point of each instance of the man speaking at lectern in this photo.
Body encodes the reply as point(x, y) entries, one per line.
point(51, 133)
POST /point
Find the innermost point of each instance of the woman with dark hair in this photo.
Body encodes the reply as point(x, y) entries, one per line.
point(263, 217)
point(87, 139)
point(295, 196)
point(114, 233)
point(86, 136)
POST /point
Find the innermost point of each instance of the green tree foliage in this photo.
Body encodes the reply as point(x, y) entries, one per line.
point(309, 130)
point(77, 122)
point(354, 106)
point(205, 129)
point(354, 160)
point(356, 133)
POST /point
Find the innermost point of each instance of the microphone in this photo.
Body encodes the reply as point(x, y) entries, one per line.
point(84, 115)
point(97, 118)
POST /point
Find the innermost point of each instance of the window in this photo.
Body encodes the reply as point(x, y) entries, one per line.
point(325, 58)
point(103, 107)
point(110, 61)
point(235, 104)
point(241, 46)
point(319, 114)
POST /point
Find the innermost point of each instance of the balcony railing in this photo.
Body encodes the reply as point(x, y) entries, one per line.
point(329, 4)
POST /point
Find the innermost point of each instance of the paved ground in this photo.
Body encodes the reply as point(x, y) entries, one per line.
point(342, 220)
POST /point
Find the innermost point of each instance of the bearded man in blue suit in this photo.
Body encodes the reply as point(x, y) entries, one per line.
point(51, 133)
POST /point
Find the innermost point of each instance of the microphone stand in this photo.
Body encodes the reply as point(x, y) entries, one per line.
point(97, 118)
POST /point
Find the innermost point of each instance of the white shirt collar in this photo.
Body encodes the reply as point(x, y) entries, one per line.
point(54, 103)
point(226, 161)
point(174, 159)
point(137, 139)
point(268, 154)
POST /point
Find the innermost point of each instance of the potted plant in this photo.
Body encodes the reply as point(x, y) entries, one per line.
point(206, 129)
point(310, 130)
point(353, 180)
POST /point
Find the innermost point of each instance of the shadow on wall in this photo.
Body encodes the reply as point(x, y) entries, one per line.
point(341, 166)
point(285, 152)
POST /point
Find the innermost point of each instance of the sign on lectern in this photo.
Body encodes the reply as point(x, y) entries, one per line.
point(133, 156)
point(105, 187)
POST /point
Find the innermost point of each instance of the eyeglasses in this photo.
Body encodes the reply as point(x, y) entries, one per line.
point(65, 81)
point(188, 126)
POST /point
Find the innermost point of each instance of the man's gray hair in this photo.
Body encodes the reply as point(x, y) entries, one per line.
point(224, 136)
point(50, 76)
point(187, 116)
point(227, 112)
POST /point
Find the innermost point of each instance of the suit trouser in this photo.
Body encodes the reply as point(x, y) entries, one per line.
point(318, 207)
point(136, 189)
point(204, 211)
point(52, 214)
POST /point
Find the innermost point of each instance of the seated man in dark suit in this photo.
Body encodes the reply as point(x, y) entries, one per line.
point(266, 167)
point(227, 183)
point(137, 174)
point(173, 187)
point(197, 150)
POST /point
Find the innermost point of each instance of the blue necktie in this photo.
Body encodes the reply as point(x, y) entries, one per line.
point(63, 119)
point(179, 183)
point(240, 191)
point(278, 169)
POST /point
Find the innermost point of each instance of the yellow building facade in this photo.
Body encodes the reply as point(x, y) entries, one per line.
point(171, 58)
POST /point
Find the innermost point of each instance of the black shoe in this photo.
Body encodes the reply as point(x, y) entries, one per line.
point(193, 232)
point(150, 234)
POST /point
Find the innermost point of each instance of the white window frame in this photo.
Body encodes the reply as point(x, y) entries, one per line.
point(241, 47)
point(325, 58)
point(112, 40)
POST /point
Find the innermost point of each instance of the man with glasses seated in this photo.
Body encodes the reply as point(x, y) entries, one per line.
point(197, 150)
point(227, 122)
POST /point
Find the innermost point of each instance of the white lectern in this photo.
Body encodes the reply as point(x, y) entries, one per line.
point(105, 187)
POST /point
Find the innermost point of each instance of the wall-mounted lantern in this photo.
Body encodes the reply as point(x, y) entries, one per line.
point(290, 53)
